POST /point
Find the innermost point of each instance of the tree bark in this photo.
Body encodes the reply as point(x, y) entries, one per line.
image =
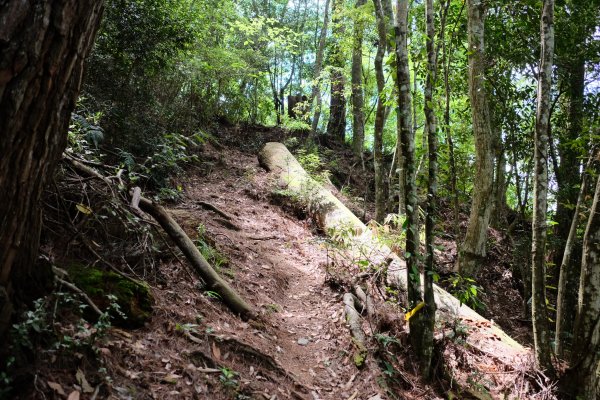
point(582, 375)
point(316, 91)
point(539, 311)
point(473, 250)
point(358, 114)
point(572, 61)
point(432, 142)
point(446, 55)
point(418, 322)
point(382, 46)
point(43, 46)
point(336, 126)
point(561, 309)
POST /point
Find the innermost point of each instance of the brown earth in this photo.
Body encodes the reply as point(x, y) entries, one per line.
point(299, 347)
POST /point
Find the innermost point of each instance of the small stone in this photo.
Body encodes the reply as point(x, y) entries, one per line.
point(303, 341)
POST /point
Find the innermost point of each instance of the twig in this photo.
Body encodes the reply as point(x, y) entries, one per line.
point(263, 237)
point(81, 293)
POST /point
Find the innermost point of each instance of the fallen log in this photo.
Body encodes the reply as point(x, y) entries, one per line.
point(330, 215)
point(351, 304)
point(212, 280)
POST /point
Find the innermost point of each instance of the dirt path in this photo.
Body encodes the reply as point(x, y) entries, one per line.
point(279, 266)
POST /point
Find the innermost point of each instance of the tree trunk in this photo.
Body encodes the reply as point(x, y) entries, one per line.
point(472, 251)
point(43, 46)
point(583, 372)
point(572, 72)
point(431, 129)
point(539, 312)
point(565, 265)
point(380, 202)
point(417, 323)
point(450, 142)
point(336, 126)
point(358, 114)
point(316, 91)
point(498, 218)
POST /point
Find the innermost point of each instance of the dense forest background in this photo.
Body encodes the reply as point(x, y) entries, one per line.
point(456, 124)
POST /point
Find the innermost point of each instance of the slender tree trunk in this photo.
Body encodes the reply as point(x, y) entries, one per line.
point(400, 172)
point(380, 202)
point(568, 169)
point(472, 251)
point(539, 311)
point(358, 114)
point(448, 134)
point(500, 185)
point(43, 45)
point(316, 91)
point(582, 375)
point(336, 126)
point(417, 321)
point(431, 128)
point(561, 310)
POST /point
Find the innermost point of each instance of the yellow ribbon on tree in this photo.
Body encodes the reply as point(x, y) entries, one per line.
point(414, 310)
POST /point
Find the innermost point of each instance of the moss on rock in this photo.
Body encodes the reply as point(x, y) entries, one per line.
point(133, 297)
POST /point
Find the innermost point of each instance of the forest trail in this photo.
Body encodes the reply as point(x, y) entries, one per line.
point(277, 265)
point(282, 264)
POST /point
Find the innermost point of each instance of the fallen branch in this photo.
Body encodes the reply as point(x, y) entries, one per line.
point(201, 266)
point(59, 272)
point(365, 299)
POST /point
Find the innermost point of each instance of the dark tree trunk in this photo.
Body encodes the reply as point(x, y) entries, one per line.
point(380, 115)
point(582, 376)
point(358, 114)
point(43, 45)
point(336, 126)
point(432, 142)
point(413, 274)
point(316, 91)
point(566, 277)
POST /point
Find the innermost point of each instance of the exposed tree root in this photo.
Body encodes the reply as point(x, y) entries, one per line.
point(237, 346)
point(215, 209)
point(228, 224)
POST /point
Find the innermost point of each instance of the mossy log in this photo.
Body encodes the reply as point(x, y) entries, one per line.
point(133, 297)
point(331, 215)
